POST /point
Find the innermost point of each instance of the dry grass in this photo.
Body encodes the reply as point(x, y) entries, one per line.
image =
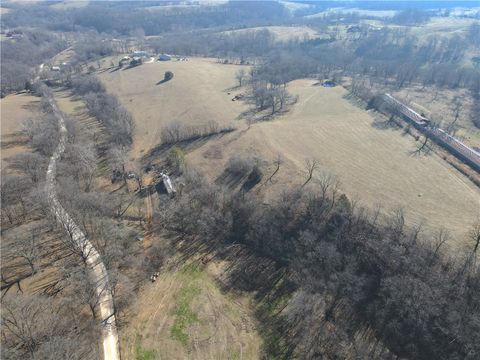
point(15, 109)
point(198, 93)
point(184, 315)
point(438, 104)
point(374, 165)
point(63, 56)
point(284, 33)
point(361, 12)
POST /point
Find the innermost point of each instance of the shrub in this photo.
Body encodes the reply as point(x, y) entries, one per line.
point(253, 179)
point(176, 159)
point(168, 75)
point(176, 132)
point(240, 166)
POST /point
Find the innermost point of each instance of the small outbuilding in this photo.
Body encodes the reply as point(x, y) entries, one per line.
point(164, 57)
point(328, 83)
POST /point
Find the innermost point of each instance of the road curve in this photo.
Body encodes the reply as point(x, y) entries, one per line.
point(97, 271)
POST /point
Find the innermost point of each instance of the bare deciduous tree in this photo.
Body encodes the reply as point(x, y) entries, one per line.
point(31, 164)
point(278, 162)
point(311, 165)
point(240, 76)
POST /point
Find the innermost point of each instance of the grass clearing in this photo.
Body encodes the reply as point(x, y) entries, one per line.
point(284, 33)
point(375, 166)
point(15, 109)
point(142, 353)
point(197, 94)
point(185, 315)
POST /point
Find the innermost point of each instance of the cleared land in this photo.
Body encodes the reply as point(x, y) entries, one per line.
point(197, 94)
point(374, 165)
point(361, 12)
point(284, 33)
point(184, 315)
point(15, 109)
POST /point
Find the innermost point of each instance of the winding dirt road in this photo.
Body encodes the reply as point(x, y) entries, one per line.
point(97, 272)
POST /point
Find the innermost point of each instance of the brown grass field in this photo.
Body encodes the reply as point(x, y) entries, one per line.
point(284, 33)
point(197, 94)
point(14, 110)
point(373, 165)
point(184, 315)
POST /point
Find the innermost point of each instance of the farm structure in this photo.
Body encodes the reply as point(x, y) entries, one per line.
point(161, 183)
point(164, 57)
point(440, 136)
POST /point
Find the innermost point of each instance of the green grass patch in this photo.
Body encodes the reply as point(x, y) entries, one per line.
point(184, 315)
point(141, 353)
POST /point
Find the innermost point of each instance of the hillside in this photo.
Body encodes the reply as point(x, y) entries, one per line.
point(374, 165)
point(197, 94)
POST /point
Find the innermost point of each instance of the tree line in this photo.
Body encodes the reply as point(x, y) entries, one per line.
point(105, 108)
point(35, 246)
point(125, 18)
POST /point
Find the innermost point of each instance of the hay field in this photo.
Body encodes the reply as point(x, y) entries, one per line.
point(14, 110)
point(374, 165)
point(197, 94)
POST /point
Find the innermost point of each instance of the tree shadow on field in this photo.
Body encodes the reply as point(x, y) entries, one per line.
point(162, 81)
point(186, 145)
point(385, 124)
point(32, 106)
point(270, 285)
point(12, 140)
point(232, 88)
point(115, 69)
point(229, 180)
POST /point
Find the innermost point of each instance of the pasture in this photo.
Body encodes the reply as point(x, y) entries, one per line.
point(197, 94)
point(283, 33)
point(184, 315)
point(373, 164)
point(15, 109)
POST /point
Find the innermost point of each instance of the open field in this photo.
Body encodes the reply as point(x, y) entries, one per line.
point(14, 110)
point(70, 4)
point(361, 12)
point(198, 93)
point(184, 315)
point(373, 165)
point(284, 33)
